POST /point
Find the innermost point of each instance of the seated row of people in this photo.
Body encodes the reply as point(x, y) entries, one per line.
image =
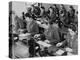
point(59, 22)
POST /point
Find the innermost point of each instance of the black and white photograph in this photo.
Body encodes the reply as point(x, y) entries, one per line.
point(42, 29)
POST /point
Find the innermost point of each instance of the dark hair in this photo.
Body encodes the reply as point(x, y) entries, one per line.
point(42, 36)
point(72, 26)
point(71, 7)
point(77, 12)
point(33, 17)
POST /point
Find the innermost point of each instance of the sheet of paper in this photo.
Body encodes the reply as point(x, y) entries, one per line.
point(68, 49)
point(44, 44)
point(59, 52)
